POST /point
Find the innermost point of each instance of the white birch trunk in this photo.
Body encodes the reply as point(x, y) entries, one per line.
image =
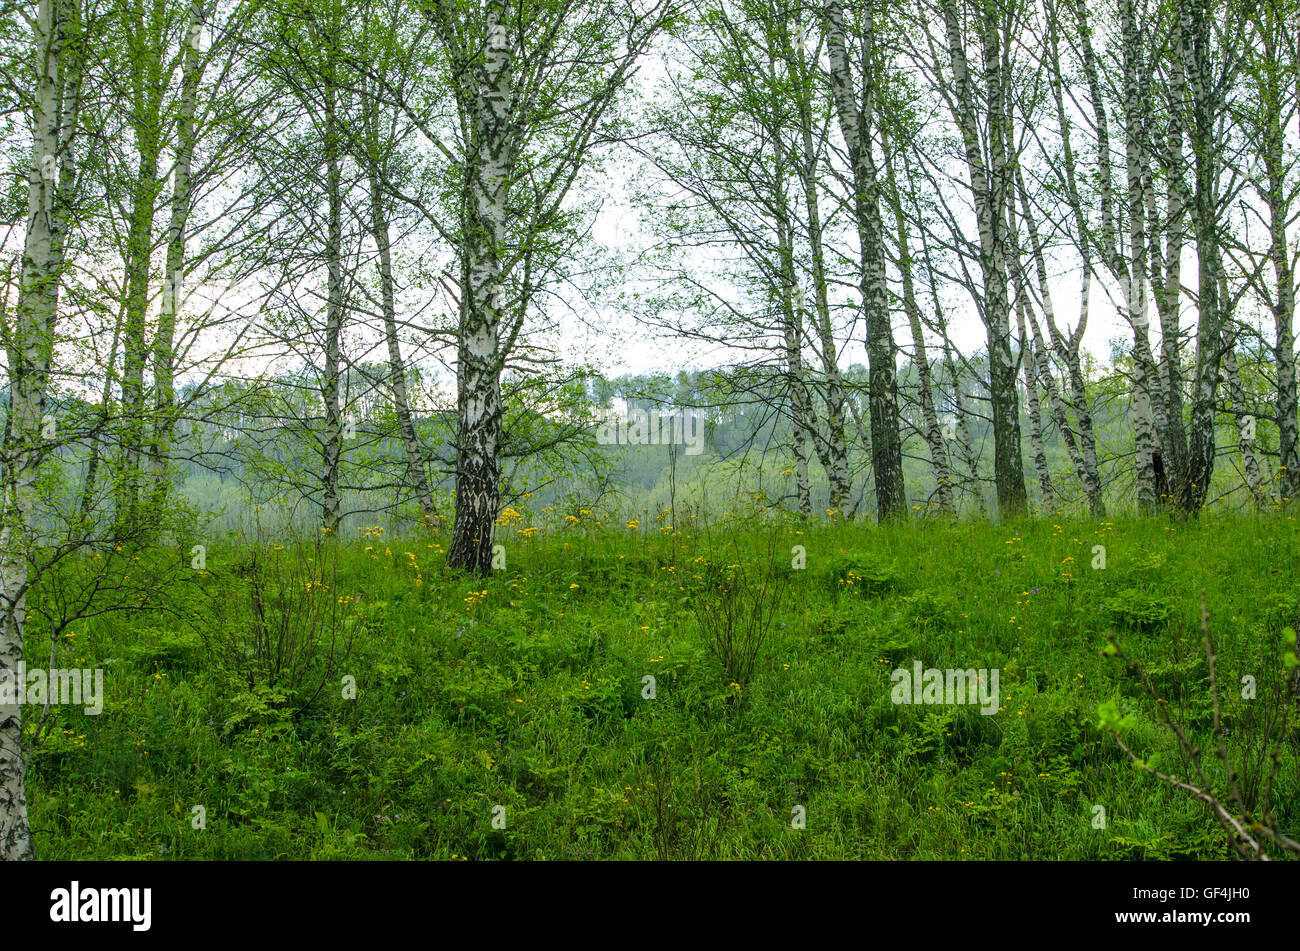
point(174, 269)
point(989, 189)
point(396, 368)
point(30, 352)
point(332, 444)
point(855, 125)
point(479, 423)
point(1246, 431)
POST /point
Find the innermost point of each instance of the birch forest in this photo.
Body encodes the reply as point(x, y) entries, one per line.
point(470, 430)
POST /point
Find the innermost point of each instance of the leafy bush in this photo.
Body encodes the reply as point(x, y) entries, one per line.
point(1136, 610)
point(736, 614)
point(280, 627)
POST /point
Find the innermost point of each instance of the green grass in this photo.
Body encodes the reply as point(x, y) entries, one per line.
point(530, 697)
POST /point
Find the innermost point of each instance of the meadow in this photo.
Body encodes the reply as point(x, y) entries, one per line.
point(353, 698)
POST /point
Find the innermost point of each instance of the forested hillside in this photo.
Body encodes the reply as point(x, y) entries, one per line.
point(473, 429)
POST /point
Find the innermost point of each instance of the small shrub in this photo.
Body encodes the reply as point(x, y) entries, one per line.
point(1135, 610)
point(736, 614)
point(279, 623)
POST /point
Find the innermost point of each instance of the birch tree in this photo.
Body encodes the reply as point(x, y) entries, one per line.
point(182, 202)
point(738, 142)
point(989, 182)
point(307, 61)
point(1206, 91)
point(1271, 59)
point(29, 336)
point(533, 84)
point(376, 156)
point(856, 118)
point(933, 433)
point(810, 160)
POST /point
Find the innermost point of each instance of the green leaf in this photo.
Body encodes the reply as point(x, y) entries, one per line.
point(1111, 719)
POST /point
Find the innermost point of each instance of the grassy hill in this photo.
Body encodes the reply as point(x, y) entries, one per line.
point(512, 718)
